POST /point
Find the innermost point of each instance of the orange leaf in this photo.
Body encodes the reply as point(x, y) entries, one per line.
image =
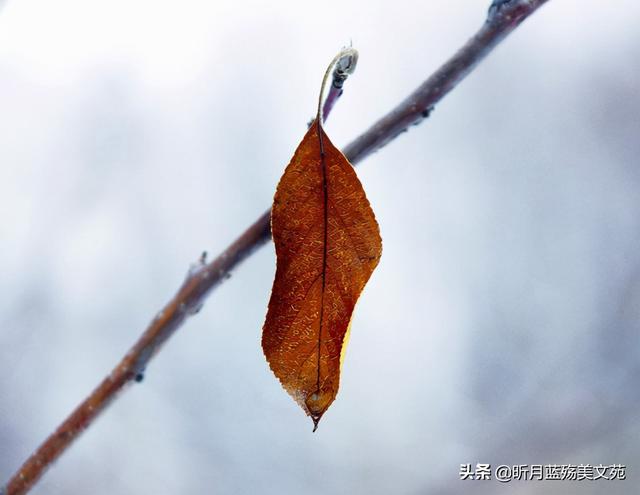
point(327, 245)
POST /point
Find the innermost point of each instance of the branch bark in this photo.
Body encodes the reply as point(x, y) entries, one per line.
point(503, 17)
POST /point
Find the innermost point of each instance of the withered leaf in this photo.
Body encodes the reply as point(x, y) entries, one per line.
point(327, 245)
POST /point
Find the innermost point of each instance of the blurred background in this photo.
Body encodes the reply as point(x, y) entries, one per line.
point(501, 326)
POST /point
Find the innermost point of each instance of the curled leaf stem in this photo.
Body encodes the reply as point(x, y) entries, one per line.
point(345, 64)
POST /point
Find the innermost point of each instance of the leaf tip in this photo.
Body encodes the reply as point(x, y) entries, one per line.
point(317, 403)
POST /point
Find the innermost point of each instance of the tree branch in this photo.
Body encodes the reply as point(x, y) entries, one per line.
point(503, 17)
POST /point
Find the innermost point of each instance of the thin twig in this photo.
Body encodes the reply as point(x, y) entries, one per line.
point(504, 16)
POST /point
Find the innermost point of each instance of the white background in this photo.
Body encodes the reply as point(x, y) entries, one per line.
point(501, 326)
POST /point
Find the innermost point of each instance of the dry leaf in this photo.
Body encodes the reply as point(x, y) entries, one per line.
point(327, 245)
